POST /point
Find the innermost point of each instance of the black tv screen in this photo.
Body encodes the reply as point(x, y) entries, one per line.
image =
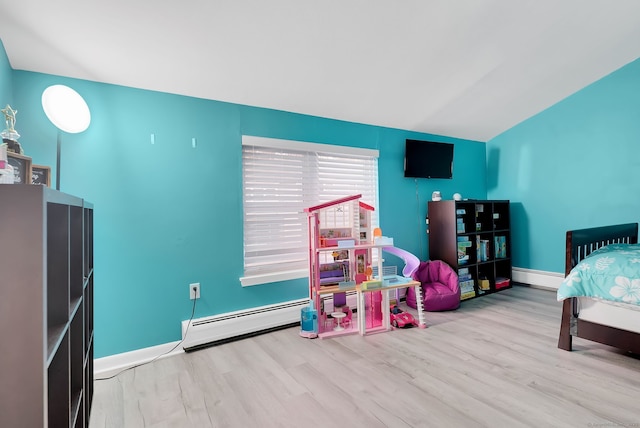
point(428, 159)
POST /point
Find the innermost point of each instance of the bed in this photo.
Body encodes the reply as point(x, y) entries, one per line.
point(612, 323)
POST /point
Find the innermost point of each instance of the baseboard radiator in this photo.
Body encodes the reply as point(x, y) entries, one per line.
point(217, 329)
point(223, 328)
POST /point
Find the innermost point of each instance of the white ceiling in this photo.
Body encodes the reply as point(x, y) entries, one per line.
point(462, 68)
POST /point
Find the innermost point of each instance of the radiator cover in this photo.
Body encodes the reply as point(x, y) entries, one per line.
point(216, 329)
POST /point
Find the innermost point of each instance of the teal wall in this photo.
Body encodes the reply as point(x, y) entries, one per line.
point(168, 214)
point(574, 165)
point(6, 85)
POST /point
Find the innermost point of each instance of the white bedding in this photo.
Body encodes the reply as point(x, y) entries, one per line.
point(620, 315)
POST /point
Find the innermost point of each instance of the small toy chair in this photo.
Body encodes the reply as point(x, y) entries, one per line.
point(439, 287)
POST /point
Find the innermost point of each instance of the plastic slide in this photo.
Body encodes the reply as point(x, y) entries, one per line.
point(411, 262)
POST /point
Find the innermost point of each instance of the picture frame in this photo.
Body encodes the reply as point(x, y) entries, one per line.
point(21, 167)
point(41, 174)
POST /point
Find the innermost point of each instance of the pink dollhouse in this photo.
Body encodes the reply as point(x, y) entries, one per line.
point(342, 249)
point(340, 256)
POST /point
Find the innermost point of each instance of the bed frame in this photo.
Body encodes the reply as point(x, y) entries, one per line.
point(580, 243)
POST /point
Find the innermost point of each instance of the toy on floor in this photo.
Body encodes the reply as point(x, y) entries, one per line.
point(400, 319)
point(438, 283)
point(308, 322)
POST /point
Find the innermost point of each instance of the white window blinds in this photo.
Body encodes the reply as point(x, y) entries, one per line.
point(280, 179)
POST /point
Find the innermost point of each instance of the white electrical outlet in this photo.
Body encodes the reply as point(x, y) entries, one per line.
point(194, 290)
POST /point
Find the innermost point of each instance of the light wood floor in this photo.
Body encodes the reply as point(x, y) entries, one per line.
point(493, 362)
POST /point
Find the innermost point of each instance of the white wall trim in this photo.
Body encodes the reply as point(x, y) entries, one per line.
point(108, 366)
point(537, 278)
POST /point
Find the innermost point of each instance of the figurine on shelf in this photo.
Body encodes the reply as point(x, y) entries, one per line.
point(10, 135)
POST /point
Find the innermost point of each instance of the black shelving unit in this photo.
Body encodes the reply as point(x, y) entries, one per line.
point(46, 307)
point(474, 238)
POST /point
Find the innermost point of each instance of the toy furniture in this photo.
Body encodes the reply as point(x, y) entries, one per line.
point(401, 319)
point(373, 309)
point(334, 273)
point(385, 325)
point(308, 322)
point(338, 316)
point(342, 252)
point(439, 287)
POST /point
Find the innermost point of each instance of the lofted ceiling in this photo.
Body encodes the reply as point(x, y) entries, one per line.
point(462, 68)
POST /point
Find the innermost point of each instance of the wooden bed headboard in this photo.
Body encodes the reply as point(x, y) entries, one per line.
point(582, 242)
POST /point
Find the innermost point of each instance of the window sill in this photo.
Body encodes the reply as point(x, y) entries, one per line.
point(248, 281)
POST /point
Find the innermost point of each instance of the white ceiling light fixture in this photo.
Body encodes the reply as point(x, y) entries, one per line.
point(68, 111)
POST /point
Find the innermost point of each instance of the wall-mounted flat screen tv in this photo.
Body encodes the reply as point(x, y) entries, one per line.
point(428, 159)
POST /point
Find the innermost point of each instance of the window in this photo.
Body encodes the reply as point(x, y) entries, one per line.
point(280, 179)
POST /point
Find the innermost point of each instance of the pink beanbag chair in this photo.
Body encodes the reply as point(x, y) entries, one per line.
point(440, 289)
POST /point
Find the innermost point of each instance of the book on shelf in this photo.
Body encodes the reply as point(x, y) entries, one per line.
point(463, 259)
point(466, 286)
point(484, 253)
point(463, 244)
point(500, 243)
point(483, 250)
point(467, 295)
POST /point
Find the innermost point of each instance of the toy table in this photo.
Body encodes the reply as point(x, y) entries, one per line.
point(338, 317)
point(386, 317)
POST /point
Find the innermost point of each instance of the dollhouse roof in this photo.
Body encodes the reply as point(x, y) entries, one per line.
point(332, 203)
point(328, 204)
point(366, 206)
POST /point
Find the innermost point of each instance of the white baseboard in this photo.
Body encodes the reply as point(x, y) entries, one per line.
point(537, 278)
point(111, 365)
point(108, 366)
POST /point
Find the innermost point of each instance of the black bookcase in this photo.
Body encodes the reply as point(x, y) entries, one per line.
point(46, 308)
point(474, 238)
